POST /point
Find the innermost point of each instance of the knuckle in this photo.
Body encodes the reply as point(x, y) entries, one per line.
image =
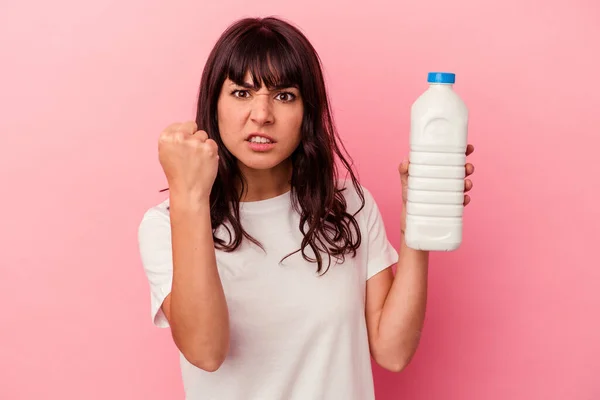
point(194, 142)
point(190, 127)
point(211, 148)
point(178, 136)
point(172, 127)
point(201, 134)
point(214, 149)
point(165, 136)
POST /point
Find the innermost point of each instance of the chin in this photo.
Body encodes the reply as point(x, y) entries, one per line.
point(261, 161)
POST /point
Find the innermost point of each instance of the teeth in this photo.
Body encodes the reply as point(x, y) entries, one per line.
point(259, 139)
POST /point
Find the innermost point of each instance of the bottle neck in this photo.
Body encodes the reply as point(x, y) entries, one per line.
point(442, 86)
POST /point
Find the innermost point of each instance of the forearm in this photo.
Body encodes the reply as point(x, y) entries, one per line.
point(403, 312)
point(199, 316)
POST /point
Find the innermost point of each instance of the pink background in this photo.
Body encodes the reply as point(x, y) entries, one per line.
point(85, 88)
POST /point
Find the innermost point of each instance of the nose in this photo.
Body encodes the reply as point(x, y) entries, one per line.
point(262, 110)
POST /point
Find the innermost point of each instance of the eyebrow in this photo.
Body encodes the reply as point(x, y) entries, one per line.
point(248, 85)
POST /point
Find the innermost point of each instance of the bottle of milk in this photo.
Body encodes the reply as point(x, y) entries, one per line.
point(438, 142)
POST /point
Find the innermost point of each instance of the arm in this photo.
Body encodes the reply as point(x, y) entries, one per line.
point(395, 309)
point(196, 308)
point(395, 306)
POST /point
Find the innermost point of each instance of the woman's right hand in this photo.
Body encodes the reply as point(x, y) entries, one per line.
point(189, 160)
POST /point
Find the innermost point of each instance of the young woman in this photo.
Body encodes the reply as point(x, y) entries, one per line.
point(273, 273)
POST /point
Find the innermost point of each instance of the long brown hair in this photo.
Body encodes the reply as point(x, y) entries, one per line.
point(277, 54)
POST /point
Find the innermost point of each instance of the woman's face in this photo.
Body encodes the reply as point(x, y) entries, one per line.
point(261, 128)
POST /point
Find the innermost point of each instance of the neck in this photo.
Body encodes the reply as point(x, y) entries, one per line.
point(441, 85)
point(266, 184)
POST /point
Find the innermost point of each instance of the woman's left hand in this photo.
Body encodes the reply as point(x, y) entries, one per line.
point(403, 169)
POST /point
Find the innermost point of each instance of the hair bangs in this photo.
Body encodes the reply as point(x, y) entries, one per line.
point(269, 60)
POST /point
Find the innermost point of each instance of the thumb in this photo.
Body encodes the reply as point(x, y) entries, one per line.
point(403, 167)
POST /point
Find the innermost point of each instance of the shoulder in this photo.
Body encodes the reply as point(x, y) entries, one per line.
point(360, 203)
point(356, 197)
point(156, 218)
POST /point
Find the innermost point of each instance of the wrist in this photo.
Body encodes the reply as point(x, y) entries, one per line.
point(188, 202)
point(403, 219)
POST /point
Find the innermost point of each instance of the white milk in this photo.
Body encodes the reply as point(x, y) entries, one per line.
point(438, 142)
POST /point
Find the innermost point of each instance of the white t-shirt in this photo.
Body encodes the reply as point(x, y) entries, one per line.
point(294, 335)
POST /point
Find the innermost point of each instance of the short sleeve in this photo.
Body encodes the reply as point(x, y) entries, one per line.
point(380, 252)
point(154, 239)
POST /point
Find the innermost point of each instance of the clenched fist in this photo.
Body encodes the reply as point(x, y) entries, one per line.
point(189, 160)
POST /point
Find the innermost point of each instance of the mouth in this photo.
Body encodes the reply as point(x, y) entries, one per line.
point(260, 138)
point(260, 143)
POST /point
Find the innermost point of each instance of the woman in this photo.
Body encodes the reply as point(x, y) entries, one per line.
point(274, 274)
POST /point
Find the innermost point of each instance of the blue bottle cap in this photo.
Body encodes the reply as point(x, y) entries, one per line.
point(441, 77)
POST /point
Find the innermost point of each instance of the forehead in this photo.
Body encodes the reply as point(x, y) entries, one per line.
point(264, 58)
point(268, 71)
point(247, 78)
point(249, 83)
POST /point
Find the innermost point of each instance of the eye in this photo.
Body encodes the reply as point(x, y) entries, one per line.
point(240, 93)
point(286, 97)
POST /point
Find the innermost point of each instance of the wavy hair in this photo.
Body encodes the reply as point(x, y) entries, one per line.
point(277, 54)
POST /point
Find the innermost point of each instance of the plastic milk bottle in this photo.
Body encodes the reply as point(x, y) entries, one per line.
point(438, 142)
